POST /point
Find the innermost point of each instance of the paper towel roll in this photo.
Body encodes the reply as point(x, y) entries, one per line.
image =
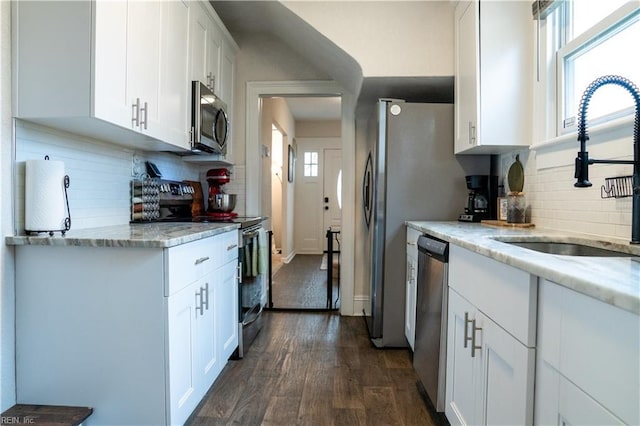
point(44, 197)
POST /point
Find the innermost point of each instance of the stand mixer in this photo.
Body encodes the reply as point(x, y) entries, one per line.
point(221, 204)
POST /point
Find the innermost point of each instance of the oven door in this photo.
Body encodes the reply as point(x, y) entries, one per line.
point(252, 287)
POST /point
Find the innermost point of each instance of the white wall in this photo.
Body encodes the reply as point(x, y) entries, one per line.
point(318, 128)
point(387, 38)
point(7, 285)
point(275, 110)
point(278, 170)
point(263, 58)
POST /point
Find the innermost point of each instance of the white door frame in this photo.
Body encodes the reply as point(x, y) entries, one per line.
point(259, 89)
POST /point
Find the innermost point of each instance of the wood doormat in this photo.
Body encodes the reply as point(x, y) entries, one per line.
point(503, 223)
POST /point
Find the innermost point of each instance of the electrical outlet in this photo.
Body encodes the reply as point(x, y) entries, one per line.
point(136, 166)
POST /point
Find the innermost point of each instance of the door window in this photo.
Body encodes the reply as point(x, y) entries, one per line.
point(310, 164)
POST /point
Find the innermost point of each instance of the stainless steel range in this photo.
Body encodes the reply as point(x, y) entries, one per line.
point(160, 200)
point(253, 281)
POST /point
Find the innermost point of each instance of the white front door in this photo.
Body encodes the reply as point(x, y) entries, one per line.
point(332, 172)
point(318, 162)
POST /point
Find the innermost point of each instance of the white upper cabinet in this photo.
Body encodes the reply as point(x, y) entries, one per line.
point(227, 72)
point(212, 53)
point(174, 87)
point(205, 48)
point(493, 76)
point(118, 71)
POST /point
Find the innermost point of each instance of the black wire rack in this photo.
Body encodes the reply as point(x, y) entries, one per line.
point(617, 187)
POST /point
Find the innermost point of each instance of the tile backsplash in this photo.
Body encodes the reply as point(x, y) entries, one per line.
point(100, 173)
point(556, 204)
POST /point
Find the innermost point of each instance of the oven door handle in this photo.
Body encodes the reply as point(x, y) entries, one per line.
point(249, 234)
point(252, 315)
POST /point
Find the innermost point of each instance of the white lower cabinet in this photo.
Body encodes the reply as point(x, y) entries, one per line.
point(227, 315)
point(184, 327)
point(587, 370)
point(490, 370)
point(139, 334)
point(411, 289)
point(489, 373)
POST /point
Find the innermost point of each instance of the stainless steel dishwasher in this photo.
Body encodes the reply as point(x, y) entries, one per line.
point(430, 349)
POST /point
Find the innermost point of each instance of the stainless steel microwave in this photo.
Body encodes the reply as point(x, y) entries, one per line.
point(209, 121)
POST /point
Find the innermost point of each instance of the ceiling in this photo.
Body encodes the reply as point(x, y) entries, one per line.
point(315, 108)
point(246, 19)
point(271, 17)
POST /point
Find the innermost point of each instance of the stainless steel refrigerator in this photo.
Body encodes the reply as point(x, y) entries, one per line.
point(411, 173)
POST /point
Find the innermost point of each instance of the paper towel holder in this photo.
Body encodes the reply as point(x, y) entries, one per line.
point(67, 220)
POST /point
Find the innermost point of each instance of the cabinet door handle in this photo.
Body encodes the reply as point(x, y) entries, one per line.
point(135, 113)
point(199, 302)
point(239, 272)
point(231, 247)
point(411, 243)
point(145, 110)
point(466, 328)
point(472, 133)
point(205, 297)
point(473, 338)
point(211, 81)
point(201, 260)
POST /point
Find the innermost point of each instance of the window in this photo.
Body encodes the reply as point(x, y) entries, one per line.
point(596, 38)
point(310, 164)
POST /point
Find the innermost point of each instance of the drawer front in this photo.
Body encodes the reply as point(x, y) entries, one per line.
point(226, 248)
point(189, 262)
point(505, 294)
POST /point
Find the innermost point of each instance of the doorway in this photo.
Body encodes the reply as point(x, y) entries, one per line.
point(304, 172)
point(256, 91)
point(277, 142)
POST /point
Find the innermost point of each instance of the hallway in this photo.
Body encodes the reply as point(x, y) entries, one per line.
point(315, 369)
point(302, 283)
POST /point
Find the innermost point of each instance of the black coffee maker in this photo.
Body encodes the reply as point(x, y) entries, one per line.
point(482, 199)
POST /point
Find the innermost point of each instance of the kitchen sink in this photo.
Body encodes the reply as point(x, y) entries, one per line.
point(568, 249)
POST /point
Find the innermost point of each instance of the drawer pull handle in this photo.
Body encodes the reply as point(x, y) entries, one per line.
point(201, 260)
point(411, 243)
point(466, 328)
point(205, 297)
point(199, 302)
point(144, 109)
point(135, 114)
point(231, 247)
point(473, 338)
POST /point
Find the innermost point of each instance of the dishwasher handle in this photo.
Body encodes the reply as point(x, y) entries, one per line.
point(434, 247)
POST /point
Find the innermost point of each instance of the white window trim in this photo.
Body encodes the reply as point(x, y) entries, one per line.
point(553, 147)
point(584, 41)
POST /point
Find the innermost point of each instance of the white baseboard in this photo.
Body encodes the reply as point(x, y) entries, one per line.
point(289, 258)
point(359, 304)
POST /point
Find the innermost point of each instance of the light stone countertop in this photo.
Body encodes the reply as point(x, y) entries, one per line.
point(143, 235)
point(613, 280)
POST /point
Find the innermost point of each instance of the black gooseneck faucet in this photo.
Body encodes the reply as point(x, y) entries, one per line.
point(583, 160)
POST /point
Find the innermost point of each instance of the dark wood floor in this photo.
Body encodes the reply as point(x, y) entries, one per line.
point(315, 369)
point(301, 284)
